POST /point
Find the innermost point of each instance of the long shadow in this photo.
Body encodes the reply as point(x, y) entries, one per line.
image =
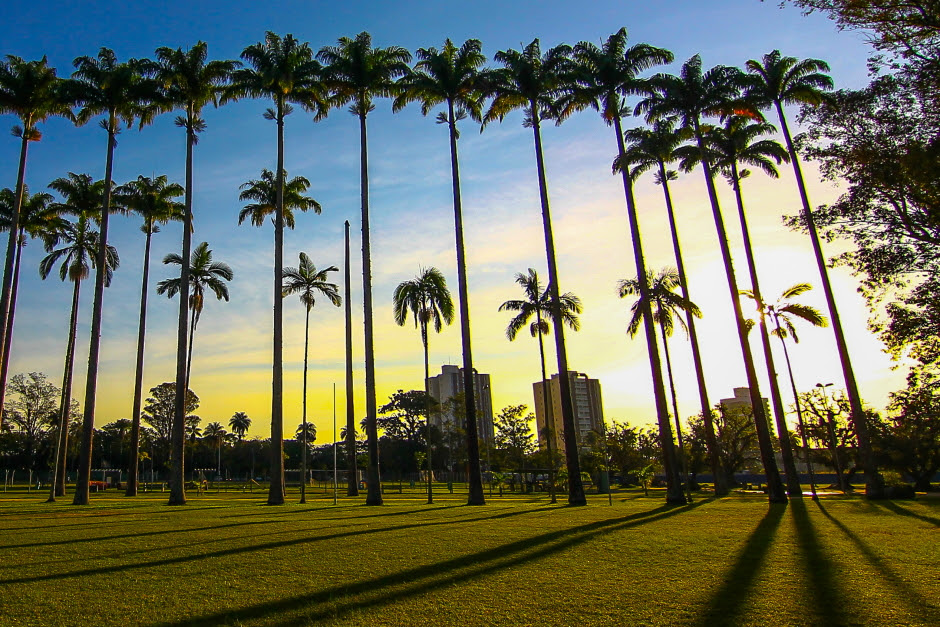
point(138, 534)
point(903, 511)
point(917, 603)
point(474, 565)
point(726, 604)
point(244, 549)
point(828, 596)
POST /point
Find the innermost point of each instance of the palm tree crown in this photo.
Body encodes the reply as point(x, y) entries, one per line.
point(664, 301)
point(787, 81)
point(529, 80)
point(153, 199)
point(307, 281)
point(31, 91)
point(784, 312)
point(448, 76)
point(734, 144)
point(427, 298)
point(102, 85)
point(203, 273)
point(189, 81)
point(38, 217)
point(264, 192)
point(78, 253)
point(538, 303)
point(649, 148)
point(606, 75)
point(356, 72)
point(82, 196)
point(239, 424)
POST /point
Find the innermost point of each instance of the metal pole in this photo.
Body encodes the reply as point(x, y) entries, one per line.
point(334, 443)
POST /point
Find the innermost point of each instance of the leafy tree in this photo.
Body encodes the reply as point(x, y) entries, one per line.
point(513, 433)
point(356, 74)
point(690, 97)
point(538, 303)
point(189, 82)
point(737, 437)
point(154, 200)
point(306, 281)
point(216, 432)
point(827, 424)
point(32, 92)
point(453, 76)
point(202, 273)
point(31, 408)
point(159, 412)
point(657, 147)
point(404, 415)
point(914, 435)
point(534, 82)
point(427, 298)
point(632, 448)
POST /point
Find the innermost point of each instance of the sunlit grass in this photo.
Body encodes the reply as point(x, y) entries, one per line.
point(227, 559)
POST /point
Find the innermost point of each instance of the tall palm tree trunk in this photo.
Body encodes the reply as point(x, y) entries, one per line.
point(177, 433)
point(714, 453)
point(683, 460)
point(62, 437)
point(374, 496)
point(475, 480)
point(303, 453)
point(8, 341)
point(194, 315)
point(549, 428)
point(91, 381)
point(6, 290)
point(133, 461)
point(874, 482)
point(674, 493)
point(427, 400)
point(799, 413)
point(783, 432)
point(352, 472)
point(277, 486)
point(575, 487)
point(775, 492)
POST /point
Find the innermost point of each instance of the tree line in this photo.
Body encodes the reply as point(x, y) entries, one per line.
point(547, 86)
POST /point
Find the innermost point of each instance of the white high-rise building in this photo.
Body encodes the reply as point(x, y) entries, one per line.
point(449, 384)
point(586, 402)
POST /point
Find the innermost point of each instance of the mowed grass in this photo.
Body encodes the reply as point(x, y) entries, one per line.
point(228, 559)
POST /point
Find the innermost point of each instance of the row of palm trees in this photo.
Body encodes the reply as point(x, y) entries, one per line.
point(546, 86)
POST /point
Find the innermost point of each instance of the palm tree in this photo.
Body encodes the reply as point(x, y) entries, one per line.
point(264, 192)
point(664, 307)
point(36, 219)
point(189, 82)
point(306, 281)
point(738, 142)
point(31, 91)
point(215, 431)
point(452, 76)
point(534, 82)
point(428, 299)
point(538, 303)
point(120, 91)
point(357, 73)
point(203, 273)
point(239, 423)
point(692, 95)
point(784, 313)
point(77, 254)
point(154, 200)
point(656, 147)
point(775, 81)
point(284, 70)
point(604, 77)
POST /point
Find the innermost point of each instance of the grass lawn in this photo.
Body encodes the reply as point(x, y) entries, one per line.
point(227, 559)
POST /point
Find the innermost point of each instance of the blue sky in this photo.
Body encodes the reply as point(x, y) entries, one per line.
point(412, 215)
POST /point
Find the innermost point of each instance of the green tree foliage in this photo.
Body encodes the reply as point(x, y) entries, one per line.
point(632, 448)
point(403, 416)
point(31, 407)
point(513, 433)
point(160, 408)
point(913, 435)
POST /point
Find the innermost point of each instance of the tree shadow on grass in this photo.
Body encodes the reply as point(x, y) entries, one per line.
point(828, 595)
point(726, 604)
point(903, 511)
point(387, 589)
point(245, 549)
point(916, 603)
